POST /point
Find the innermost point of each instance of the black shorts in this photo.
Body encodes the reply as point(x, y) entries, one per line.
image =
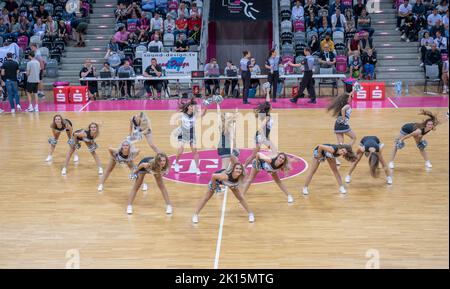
point(41, 73)
point(32, 87)
point(82, 27)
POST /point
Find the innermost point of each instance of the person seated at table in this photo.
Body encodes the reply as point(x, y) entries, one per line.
point(254, 70)
point(106, 86)
point(153, 70)
point(212, 70)
point(88, 70)
point(125, 85)
point(230, 82)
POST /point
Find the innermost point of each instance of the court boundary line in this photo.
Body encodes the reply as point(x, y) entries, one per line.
point(393, 103)
point(86, 105)
point(220, 234)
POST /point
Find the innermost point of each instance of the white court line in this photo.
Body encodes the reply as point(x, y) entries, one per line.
point(393, 103)
point(89, 102)
point(219, 237)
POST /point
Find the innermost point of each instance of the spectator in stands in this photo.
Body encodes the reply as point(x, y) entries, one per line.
point(212, 70)
point(133, 40)
point(327, 42)
point(194, 36)
point(369, 60)
point(442, 7)
point(5, 16)
point(89, 70)
point(143, 26)
point(230, 83)
point(62, 31)
point(327, 58)
point(297, 11)
point(181, 25)
point(310, 8)
point(181, 44)
point(121, 13)
point(112, 47)
point(311, 23)
point(121, 37)
point(106, 86)
point(156, 24)
point(254, 70)
point(428, 4)
point(153, 70)
point(157, 33)
point(445, 23)
point(324, 26)
point(322, 4)
point(338, 22)
point(155, 43)
point(169, 24)
point(408, 29)
point(25, 26)
point(364, 22)
point(353, 47)
point(433, 18)
point(425, 45)
point(357, 9)
point(354, 64)
point(39, 27)
point(366, 43)
point(51, 28)
point(433, 57)
point(403, 10)
point(14, 28)
point(445, 76)
point(195, 11)
point(419, 10)
point(194, 20)
point(183, 11)
point(41, 13)
point(441, 42)
point(11, 5)
point(30, 13)
point(351, 26)
point(3, 29)
point(438, 27)
point(315, 45)
point(335, 6)
point(80, 26)
point(126, 85)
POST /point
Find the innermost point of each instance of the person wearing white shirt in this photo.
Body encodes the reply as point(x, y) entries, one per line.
point(156, 24)
point(445, 23)
point(403, 10)
point(156, 43)
point(338, 22)
point(297, 11)
point(433, 18)
point(441, 42)
point(169, 24)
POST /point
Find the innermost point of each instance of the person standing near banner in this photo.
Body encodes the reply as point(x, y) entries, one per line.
point(33, 69)
point(10, 70)
point(245, 74)
point(307, 80)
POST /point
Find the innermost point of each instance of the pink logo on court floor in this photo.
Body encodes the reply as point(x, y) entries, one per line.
point(210, 163)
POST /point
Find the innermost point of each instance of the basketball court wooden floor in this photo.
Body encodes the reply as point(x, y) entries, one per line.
point(45, 218)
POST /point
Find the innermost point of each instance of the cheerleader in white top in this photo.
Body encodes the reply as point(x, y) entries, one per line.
point(140, 127)
point(186, 131)
point(125, 154)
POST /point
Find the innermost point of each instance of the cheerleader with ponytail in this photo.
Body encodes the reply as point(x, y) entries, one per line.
point(59, 125)
point(140, 127)
point(416, 131)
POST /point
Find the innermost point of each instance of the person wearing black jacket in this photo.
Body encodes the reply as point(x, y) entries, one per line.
point(433, 57)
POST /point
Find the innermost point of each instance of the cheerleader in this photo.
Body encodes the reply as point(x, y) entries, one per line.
point(88, 137)
point(59, 125)
point(140, 126)
point(231, 178)
point(265, 121)
point(224, 146)
point(341, 109)
point(417, 131)
point(157, 166)
point(187, 132)
point(371, 147)
point(271, 165)
point(125, 154)
point(329, 152)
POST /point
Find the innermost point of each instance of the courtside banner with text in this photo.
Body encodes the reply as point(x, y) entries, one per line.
point(13, 48)
point(241, 10)
point(174, 63)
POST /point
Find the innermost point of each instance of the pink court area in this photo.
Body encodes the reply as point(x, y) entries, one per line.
point(283, 103)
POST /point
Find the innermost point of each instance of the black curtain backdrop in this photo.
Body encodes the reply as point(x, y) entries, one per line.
point(241, 10)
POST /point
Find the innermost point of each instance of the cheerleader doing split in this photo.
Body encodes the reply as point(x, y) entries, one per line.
point(88, 137)
point(158, 167)
point(125, 154)
point(417, 131)
point(329, 152)
point(59, 125)
point(371, 147)
point(140, 127)
point(231, 178)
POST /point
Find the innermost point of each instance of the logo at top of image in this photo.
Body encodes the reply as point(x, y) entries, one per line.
point(236, 6)
point(210, 163)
